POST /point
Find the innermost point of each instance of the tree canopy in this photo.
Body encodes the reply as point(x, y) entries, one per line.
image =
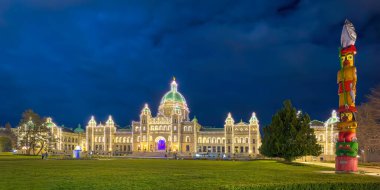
point(289, 135)
point(368, 118)
point(33, 132)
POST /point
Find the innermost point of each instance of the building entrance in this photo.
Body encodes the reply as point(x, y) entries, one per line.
point(160, 143)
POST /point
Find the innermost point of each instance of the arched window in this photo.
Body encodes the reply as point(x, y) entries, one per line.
point(204, 140)
point(189, 128)
point(213, 140)
point(224, 140)
point(199, 140)
point(218, 140)
point(187, 139)
point(184, 128)
point(128, 140)
point(138, 138)
point(124, 139)
point(246, 140)
point(241, 140)
point(175, 128)
point(160, 128)
point(169, 138)
point(209, 140)
point(175, 138)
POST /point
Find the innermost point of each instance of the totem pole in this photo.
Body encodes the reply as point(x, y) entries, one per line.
point(347, 146)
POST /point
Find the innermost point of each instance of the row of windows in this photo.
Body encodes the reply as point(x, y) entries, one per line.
point(322, 139)
point(237, 129)
point(100, 129)
point(123, 140)
point(211, 140)
point(218, 140)
point(68, 147)
point(123, 148)
point(100, 139)
point(187, 128)
point(164, 128)
point(169, 138)
point(68, 139)
point(218, 149)
point(160, 128)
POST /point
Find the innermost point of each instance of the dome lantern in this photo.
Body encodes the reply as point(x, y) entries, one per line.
point(174, 85)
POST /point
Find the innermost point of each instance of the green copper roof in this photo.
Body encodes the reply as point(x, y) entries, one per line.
point(173, 96)
point(333, 119)
point(78, 129)
point(195, 119)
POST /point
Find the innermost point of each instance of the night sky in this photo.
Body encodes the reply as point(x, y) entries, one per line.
point(75, 58)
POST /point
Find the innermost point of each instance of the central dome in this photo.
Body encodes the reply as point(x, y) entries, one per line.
point(173, 96)
point(172, 102)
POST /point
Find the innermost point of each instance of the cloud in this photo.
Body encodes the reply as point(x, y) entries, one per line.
point(71, 59)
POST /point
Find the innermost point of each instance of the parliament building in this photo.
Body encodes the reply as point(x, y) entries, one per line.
point(171, 130)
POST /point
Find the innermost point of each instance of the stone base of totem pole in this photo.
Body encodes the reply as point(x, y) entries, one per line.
point(346, 164)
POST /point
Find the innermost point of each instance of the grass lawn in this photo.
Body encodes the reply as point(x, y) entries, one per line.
point(21, 172)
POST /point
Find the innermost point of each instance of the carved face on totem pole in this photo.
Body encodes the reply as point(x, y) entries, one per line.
point(346, 116)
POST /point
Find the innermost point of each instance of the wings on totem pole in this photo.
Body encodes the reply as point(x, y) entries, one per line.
point(348, 36)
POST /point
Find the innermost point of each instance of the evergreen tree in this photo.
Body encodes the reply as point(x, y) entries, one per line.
point(289, 135)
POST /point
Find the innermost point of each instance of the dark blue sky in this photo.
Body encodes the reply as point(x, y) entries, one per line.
point(75, 58)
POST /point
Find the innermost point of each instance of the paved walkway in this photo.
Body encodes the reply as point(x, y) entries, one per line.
point(373, 171)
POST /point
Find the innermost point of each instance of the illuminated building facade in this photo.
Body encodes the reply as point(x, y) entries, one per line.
point(171, 130)
point(327, 135)
point(65, 139)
